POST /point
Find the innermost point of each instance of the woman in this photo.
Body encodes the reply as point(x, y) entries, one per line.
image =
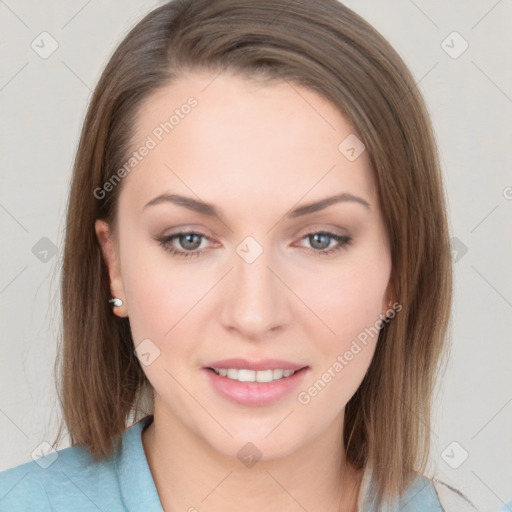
point(256, 273)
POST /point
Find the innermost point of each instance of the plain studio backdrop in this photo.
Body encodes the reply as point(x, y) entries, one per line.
point(459, 52)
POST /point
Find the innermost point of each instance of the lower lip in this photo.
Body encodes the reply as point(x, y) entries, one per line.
point(255, 393)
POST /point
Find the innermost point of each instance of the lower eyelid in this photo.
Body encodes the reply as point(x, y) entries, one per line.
point(172, 238)
point(166, 242)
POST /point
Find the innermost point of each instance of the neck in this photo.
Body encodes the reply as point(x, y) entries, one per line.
point(190, 475)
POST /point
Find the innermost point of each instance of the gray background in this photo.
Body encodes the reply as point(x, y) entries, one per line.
point(43, 102)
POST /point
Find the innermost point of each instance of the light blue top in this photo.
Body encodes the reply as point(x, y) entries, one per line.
point(69, 480)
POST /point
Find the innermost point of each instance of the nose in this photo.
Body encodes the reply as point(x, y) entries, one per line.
point(256, 301)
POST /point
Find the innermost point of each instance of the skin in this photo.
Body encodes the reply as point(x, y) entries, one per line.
point(255, 151)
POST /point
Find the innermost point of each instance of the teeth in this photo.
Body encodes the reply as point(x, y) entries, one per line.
point(244, 375)
point(277, 374)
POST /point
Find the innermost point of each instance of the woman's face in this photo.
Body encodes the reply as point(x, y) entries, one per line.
point(253, 281)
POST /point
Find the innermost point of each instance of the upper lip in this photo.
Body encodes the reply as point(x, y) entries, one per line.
point(262, 364)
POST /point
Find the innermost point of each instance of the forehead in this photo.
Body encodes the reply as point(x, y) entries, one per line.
point(242, 138)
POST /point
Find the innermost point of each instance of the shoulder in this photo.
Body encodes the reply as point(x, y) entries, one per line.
point(56, 481)
point(451, 499)
point(434, 495)
point(422, 494)
point(70, 479)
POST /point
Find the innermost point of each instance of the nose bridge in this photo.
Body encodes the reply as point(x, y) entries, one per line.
point(256, 301)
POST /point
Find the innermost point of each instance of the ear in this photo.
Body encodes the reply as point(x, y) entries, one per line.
point(111, 257)
point(389, 298)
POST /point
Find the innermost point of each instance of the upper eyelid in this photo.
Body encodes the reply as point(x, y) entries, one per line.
point(320, 226)
point(329, 232)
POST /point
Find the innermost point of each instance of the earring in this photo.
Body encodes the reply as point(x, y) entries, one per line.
point(116, 303)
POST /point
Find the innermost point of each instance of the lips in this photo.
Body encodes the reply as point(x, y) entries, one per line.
point(254, 394)
point(262, 364)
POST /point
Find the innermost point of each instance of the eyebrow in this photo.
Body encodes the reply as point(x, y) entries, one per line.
point(211, 211)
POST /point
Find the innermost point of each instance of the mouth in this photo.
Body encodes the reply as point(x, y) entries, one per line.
point(248, 375)
point(262, 386)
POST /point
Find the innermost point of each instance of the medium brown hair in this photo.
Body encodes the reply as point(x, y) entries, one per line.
point(326, 47)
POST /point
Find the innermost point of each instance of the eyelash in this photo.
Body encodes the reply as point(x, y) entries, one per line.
point(343, 242)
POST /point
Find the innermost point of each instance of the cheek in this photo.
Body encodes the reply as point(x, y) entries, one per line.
point(165, 296)
point(350, 303)
point(158, 294)
point(351, 297)
point(349, 300)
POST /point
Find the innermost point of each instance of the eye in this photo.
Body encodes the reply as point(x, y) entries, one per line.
point(321, 240)
point(190, 241)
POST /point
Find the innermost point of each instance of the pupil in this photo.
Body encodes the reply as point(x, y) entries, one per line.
point(325, 237)
point(189, 240)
